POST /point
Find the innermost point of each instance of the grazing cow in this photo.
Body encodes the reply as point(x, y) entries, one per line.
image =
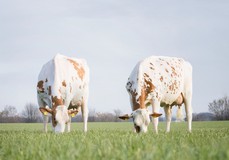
point(62, 89)
point(159, 81)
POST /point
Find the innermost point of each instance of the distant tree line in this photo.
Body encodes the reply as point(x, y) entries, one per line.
point(218, 110)
point(204, 116)
point(31, 114)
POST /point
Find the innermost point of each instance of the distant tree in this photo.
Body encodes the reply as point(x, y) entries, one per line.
point(194, 117)
point(220, 108)
point(92, 115)
point(104, 117)
point(203, 116)
point(31, 113)
point(9, 115)
point(9, 111)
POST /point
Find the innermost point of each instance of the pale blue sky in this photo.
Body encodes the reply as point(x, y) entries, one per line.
point(112, 35)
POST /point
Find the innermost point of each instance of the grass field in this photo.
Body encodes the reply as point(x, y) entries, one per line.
point(208, 141)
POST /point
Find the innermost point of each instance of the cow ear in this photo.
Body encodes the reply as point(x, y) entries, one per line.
point(73, 112)
point(154, 115)
point(45, 111)
point(125, 117)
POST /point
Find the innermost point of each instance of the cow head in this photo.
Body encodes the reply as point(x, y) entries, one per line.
point(60, 116)
point(141, 119)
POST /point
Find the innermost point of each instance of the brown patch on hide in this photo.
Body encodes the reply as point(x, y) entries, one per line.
point(142, 98)
point(40, 86)
point(49, 90)
point(135, 102)
point(54, 122)
point(147, 88)
point(151, 68)
point(161, 79)
point(80, 70)
point(173, 86)
point(128, 86)
point(173, 71)
point(146, 75)
point(56, 102)
point(64, 83)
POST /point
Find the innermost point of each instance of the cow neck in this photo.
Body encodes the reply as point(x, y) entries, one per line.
point(146, 89)
point(138, 103)
point(56, 102)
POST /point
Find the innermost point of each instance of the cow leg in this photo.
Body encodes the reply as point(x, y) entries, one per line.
point(84, 110)
point(156, 109)
point(179, 114)
point(168, 114)
point(41, 104)
point(45, 120)
point(69, 124)
point(188, 110)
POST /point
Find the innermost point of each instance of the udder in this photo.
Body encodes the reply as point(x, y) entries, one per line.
point(179, 101)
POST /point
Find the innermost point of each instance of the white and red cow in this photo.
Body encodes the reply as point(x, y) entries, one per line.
point(159, 81)
point(61, 89)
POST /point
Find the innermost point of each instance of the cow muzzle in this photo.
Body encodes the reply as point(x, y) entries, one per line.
point(137, 128)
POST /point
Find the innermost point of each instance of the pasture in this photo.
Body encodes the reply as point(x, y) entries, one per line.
point(208, 140)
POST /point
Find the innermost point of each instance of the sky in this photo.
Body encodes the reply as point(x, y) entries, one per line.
point(112, 35)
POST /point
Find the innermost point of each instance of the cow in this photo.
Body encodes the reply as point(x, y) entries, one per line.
point(62, 90)
point(159, 81)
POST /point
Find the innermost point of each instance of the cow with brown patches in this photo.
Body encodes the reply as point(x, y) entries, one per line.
point(62, 90)
point(160, 82)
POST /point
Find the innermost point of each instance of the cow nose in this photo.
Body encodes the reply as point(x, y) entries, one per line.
point(137, 128)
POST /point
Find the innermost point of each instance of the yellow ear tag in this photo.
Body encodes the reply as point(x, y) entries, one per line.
point(73, 115)
point(45, 113)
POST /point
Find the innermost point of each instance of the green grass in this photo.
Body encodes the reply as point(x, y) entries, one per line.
point(208, 140)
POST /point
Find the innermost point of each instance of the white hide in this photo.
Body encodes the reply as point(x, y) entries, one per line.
point(170, 78)
point(60, 69)
point(67, 79)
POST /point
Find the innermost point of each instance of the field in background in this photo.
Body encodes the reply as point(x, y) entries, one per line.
point(209, 140)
